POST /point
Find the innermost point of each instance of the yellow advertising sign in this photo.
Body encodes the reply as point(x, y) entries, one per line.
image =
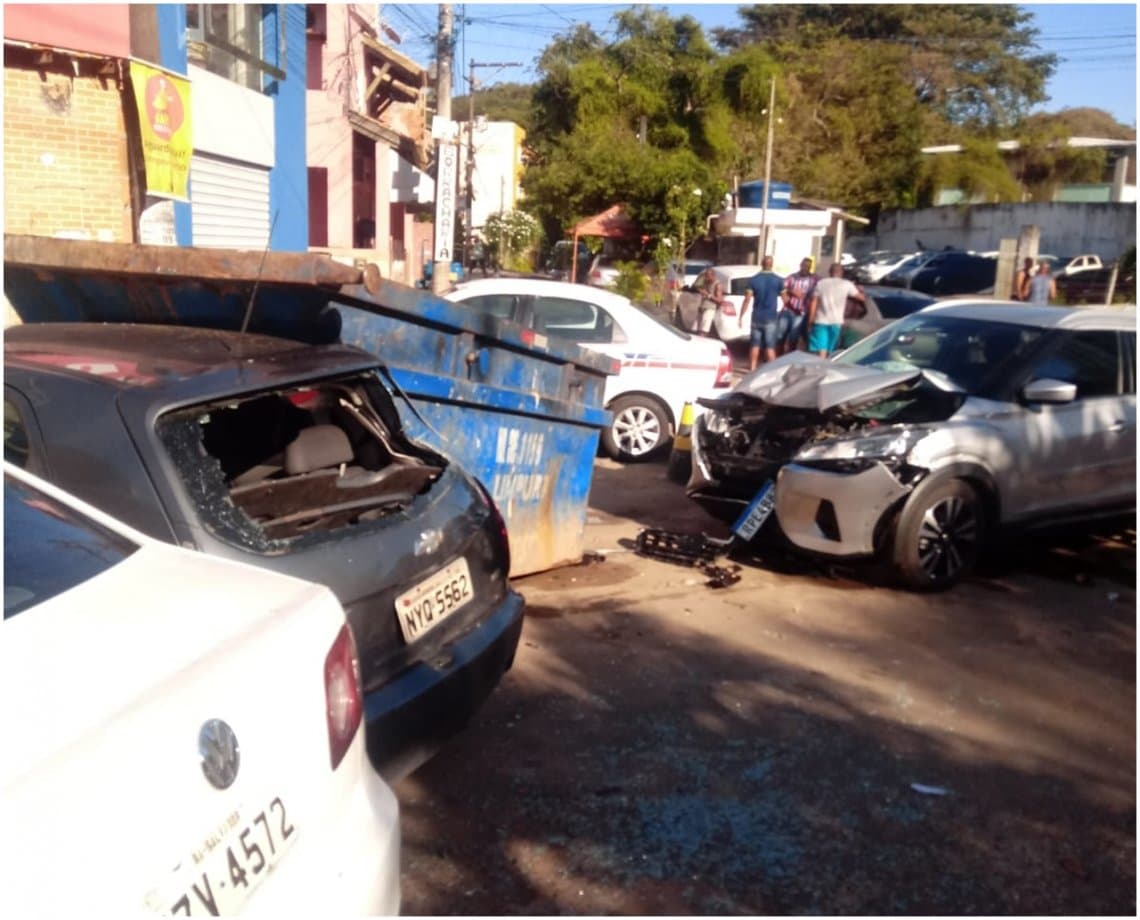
point(163, 103)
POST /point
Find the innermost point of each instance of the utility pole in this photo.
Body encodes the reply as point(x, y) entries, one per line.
point(763, 243)
point(470, 171)
point(445, 158)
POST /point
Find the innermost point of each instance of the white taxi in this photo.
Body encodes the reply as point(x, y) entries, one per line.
point(182, 733)
point(662, 367)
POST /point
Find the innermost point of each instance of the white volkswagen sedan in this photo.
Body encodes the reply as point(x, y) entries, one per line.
point(662, 368)
point(181, 732)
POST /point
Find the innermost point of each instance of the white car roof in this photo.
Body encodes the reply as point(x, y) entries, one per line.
point(1007, 311)
point(543, 286)
point(737, 271)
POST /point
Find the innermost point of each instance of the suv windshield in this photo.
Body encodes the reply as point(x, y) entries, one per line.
point(50, 548)
point(970, 352)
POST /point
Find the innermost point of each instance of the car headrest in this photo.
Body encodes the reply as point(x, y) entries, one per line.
point(317, 447)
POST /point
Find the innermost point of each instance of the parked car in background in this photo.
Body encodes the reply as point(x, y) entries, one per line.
point(727, 323)
point(683, 275)
point(662, 368)
point(954, 273)
point(900, 275)
point(1073, 265)
point(876, 265)
point(559, 263)
point(290, 457)
point(1090, 286)
point(930, 436)
point(603, 271)
point(182, 733)
point(881, 305)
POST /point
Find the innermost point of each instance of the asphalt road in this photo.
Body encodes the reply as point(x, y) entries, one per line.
point(804, 741)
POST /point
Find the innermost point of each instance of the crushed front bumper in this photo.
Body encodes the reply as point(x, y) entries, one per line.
point(837, 514)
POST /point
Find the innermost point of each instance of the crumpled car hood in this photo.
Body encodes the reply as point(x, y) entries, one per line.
point(799, 380)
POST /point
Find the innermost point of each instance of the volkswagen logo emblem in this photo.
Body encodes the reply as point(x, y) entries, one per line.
point(221, 756)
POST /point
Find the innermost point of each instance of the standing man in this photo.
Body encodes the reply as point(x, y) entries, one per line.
point(765, 286)
point(711, 296)
point(1042, 287)
point(1021, 280)
point(799, 292)
point(827, 309)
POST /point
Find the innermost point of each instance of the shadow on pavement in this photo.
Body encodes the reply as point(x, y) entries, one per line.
point(643, 767)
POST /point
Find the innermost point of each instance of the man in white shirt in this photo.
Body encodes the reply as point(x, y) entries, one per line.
point(826, 310)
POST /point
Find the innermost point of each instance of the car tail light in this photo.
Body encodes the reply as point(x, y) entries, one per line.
point(672, 284)
point(596, 275)
point(344, 705)
point(724, 369)
point(728, 308)
point(499, 523)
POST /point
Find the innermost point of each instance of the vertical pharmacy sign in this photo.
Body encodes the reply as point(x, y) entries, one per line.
point(163, 103)
point(445, 179)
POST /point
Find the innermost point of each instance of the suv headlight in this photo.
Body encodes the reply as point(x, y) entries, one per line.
point(855, 454)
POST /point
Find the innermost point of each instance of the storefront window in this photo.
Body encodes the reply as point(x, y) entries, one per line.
point(237, 41)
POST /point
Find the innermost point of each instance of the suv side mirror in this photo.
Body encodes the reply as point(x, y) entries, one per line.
point(1048, 390)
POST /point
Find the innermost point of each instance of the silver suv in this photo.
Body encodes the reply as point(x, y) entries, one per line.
point(930, 435)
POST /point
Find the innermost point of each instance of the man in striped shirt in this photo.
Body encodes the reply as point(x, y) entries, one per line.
point(799, 292)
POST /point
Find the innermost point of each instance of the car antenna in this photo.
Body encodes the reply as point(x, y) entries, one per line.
point(257, 280)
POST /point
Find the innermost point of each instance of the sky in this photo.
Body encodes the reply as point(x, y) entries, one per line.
point(1096, 43)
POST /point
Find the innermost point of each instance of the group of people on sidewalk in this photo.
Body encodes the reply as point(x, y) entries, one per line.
point(1037, 287)
point(801, 308)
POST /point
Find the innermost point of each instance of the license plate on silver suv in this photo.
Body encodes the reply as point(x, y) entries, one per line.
point(756, 513)
point(434, 599)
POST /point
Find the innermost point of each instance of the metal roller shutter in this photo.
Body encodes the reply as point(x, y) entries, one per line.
point(229, 203)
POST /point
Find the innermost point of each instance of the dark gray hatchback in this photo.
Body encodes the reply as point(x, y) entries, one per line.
point(292, 457)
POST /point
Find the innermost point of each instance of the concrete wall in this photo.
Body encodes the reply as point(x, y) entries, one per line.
point(1066, 228)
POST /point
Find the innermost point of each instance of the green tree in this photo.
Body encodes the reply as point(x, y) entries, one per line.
point(971, 64)
point(510, 237)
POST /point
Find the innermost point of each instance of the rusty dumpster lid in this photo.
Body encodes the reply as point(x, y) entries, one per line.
point(296, 293)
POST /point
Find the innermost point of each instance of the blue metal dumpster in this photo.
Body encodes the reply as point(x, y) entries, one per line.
point(521, 413)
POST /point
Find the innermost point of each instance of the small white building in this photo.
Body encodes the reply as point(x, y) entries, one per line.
point(496, 168)
point(807, 228)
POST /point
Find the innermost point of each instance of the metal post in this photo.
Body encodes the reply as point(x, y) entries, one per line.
point(470, 172)
point(763, 243)
point(441, 268)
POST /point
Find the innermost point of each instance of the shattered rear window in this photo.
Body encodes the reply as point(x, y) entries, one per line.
point(272, 471)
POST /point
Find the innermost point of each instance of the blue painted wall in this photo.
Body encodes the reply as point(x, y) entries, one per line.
point(172, 56)
point(289, 178)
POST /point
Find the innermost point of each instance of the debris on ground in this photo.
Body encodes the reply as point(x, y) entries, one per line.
point(695, 550)
point(591, 557)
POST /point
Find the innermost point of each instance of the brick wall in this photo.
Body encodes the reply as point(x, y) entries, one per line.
point(65, 155)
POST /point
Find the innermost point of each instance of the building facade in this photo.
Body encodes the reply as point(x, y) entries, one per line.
point(367, 143)
point(496, 167)
point(81, 127)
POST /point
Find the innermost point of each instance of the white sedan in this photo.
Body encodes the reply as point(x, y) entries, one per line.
point(662, 368)
point(181, 732)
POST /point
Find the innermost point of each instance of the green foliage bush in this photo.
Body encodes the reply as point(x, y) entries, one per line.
point(631, 281)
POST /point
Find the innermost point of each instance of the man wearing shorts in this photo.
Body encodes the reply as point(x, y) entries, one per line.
point(799, 293)
point(826, 313)
point(764, 287)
